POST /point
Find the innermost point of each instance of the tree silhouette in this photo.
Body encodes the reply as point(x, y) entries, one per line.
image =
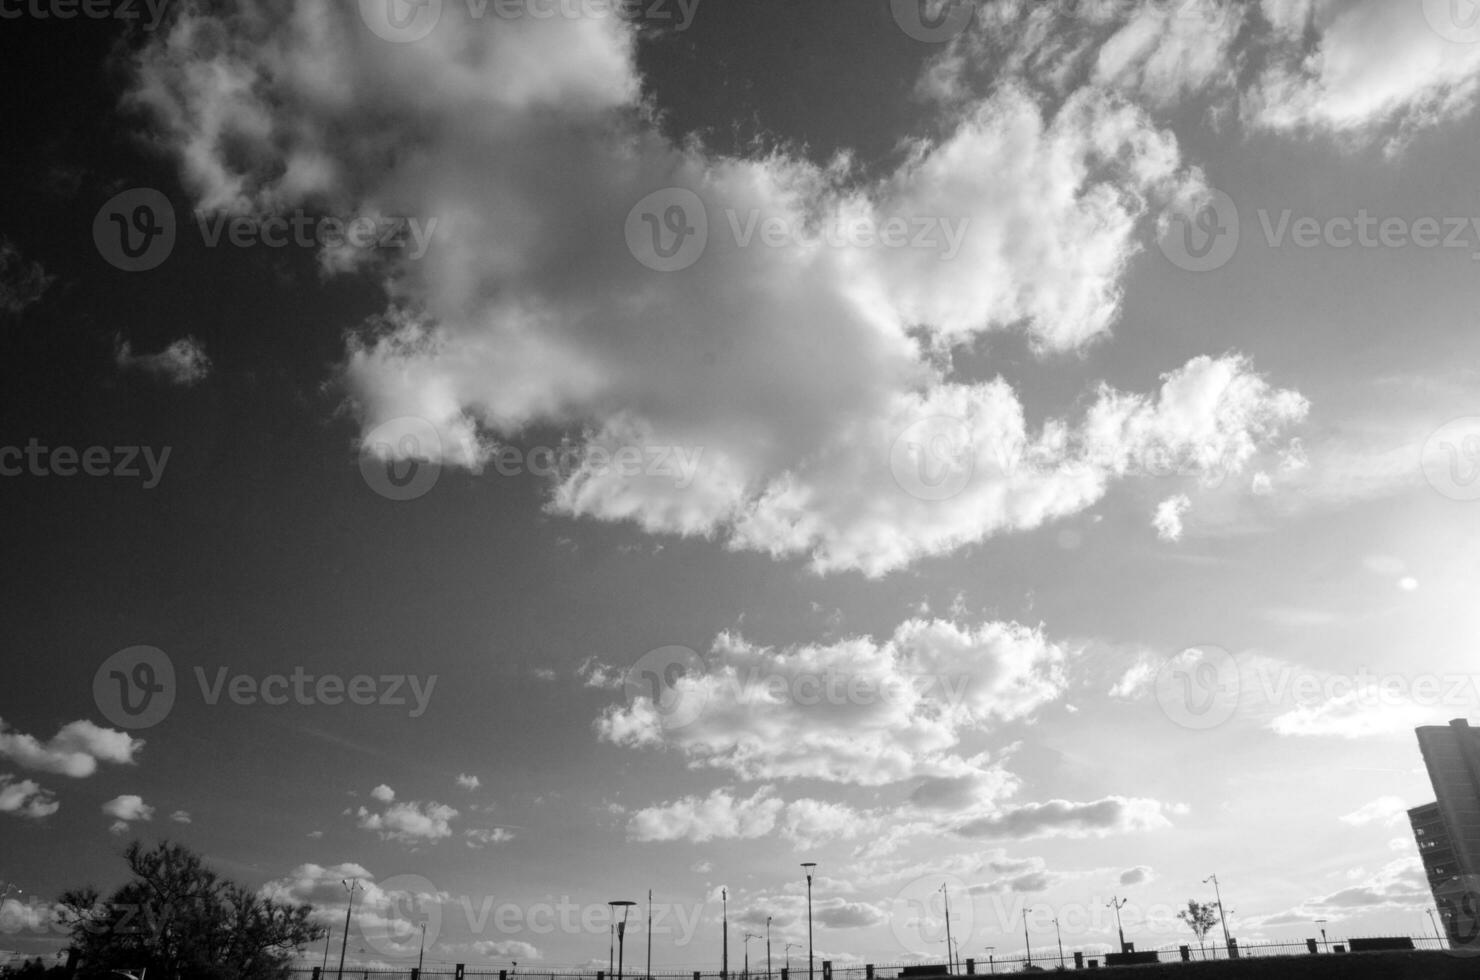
point(180, 920)
point(1200, 917)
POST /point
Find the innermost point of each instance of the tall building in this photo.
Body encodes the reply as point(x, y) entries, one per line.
point(1447, 831)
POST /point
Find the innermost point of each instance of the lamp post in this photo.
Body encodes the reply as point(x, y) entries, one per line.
point(748, 937)
point(787, 954)
point(809, 865)
point(328, 935)
point(1324, 942)
point(422, 954)
point(724, 905)
point(649, 930)
point(991, 960)
point(626, 908)
point(1430, 914)
point(768, 948)
point(950, 957)
point(1060, 936)
point(1027, 943)
point(350, 885)
point(1222, 918)
point(1116, 904)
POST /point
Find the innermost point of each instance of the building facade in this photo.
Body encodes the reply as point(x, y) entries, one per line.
point(1447, 831)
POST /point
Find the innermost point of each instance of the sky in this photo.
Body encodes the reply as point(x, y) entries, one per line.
point(516, 456)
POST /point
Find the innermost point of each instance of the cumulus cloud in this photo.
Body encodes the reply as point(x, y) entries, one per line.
point(1398, 886)
point(1355, 713)
point(1168, 517)
point(1062, 818)
point(25, 798)
point(720, 815)
point(855, 711)
point(386, 912)
point(409, 822)
point(465, 781)
point(499, 949)
point(182, 363)
point(180, 816)
point(786, 372)
point(478, 838)
point(126, 810)
point(74, 751)
point(383, 793)
point(1138, 875)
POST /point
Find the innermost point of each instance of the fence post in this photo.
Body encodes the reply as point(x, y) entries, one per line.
point(416, 973)
point(458, 970)
point(1078, 960)
point(827, 970)
point(503, 975)
point(1186, 953)
point(786, 973)
point(1233, 948)
point(315, 973)
point(970, 967)
point(1310, 946)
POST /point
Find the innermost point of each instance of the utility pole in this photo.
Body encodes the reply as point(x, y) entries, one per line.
point(950, 956)
point(1227, 943)
point(809, 865)
point(650, 936)
point(324, 970)
point(1060, 937)
point(724, 906)
point(1116, 903)
point(350, 885)
point(1027, 943)
point(422, 955)
point(768, 948)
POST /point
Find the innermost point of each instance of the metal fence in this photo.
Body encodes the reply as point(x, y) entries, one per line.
point(1081, 958)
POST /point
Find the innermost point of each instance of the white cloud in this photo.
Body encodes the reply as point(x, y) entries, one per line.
point(1168, 517)
point(128, 808)
point(25, 798)
point(1353, 714)
point(180, 816)
point(854, 711)
point(596, 674)
point(409, 822)
point(1062, 818)
point(499, 949)
point(183, 362)
point(1387, 810)
point(383, 793)
point(811, 823)
point(465, 781)
point(1137, 680)
point(721, 815)
point(526, 317)
point(480, 838)
point(74, 751)
point(1138, 875)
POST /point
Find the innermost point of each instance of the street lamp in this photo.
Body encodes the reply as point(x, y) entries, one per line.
point(350, 885)
point(768, 948)
point(1430, 914)
point(787, 954)
point(724, 906)
point(1324, 942)
point(991, 960)
point(950, 960)
point(1222, 917)
point(1117, 904)
point(422, 955)
point(1027, 943)
point(1060, 936)
point(626, 908)
point(809, 865)
point(748, 937)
